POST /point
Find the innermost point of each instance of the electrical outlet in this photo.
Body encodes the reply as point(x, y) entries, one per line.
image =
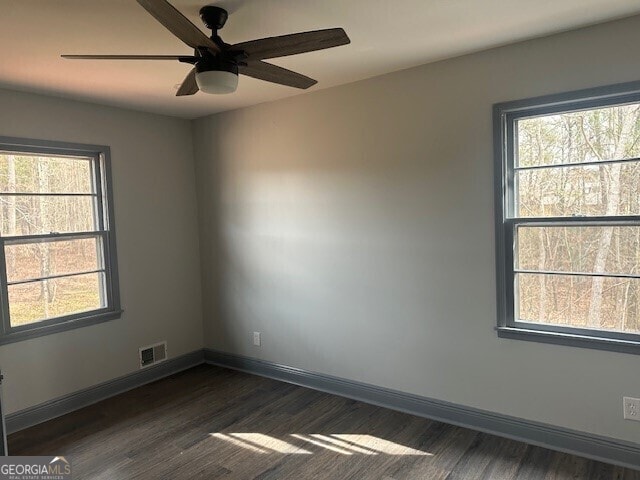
point(631, 408)
point(256, 339)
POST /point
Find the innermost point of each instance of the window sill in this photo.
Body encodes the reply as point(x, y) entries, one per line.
point(20, 335)
point(572, 340)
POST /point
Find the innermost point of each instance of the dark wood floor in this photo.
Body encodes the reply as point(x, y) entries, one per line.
point(212, 423)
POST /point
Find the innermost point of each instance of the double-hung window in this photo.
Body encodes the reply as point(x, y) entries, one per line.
point(58, 265)
point(568, 218)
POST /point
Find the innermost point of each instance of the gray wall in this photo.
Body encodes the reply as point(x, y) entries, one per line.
point(157, 239)
point(353, 227)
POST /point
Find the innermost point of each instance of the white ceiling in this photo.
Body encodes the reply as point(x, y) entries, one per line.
point(387, 35)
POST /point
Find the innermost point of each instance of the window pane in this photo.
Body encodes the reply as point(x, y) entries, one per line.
point(588, 190)
point(609, 133)
point(34, 215)
point(37, 301)
point(48, 258)
point(24, 173)
point(603, 249)
point(582, 302)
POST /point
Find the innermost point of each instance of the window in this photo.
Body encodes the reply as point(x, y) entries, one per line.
point(568, 218)
point(57, 244)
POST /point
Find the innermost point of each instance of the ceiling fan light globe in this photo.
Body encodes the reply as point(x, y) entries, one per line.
point(217, 82)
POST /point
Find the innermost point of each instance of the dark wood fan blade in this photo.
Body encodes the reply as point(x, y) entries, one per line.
point(130, 57)
point(274, 74)
point(178, 24)
point(293, 44)
point(189, 85)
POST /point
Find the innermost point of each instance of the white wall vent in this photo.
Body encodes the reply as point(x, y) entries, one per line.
point(153, 354)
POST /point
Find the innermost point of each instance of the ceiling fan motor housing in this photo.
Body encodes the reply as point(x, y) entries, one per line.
point(213, 17)
point(217, 64)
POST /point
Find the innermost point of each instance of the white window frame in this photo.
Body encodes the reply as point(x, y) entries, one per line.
point(505, 116)
point(101, 163)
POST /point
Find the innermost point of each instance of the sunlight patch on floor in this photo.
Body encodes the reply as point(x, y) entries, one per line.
point(344, 444)
point(237, 443)
point(265, 441)
point(317, 443)
point(379, 444)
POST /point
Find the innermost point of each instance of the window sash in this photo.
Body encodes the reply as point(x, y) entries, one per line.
point(510, 228)
point(92, 153)
point(106, 289)
point(66, 317)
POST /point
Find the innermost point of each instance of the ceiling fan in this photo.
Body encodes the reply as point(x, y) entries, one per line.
point(217, 64)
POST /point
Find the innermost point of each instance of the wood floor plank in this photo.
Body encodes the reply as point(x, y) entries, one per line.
point(535, 463)
point(476, 460)
point(212, 423)
point(506, 460)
